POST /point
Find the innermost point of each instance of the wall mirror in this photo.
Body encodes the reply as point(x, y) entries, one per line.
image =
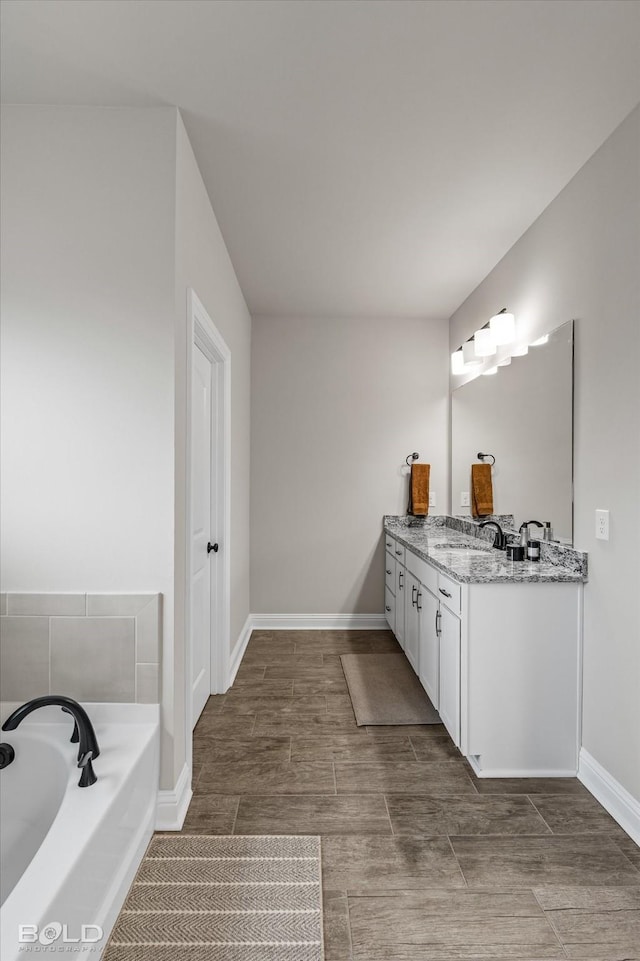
point(523, 415)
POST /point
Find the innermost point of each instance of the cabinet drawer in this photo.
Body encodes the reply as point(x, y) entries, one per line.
point(450, 593)
point(422, 571)
point(390, 609)
point(389, 543)
point(390, 577)
point(398, 552)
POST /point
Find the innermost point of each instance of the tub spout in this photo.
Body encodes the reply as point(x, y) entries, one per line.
point(88, 744)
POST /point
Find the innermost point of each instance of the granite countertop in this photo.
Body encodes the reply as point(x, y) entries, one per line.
point(426, 538)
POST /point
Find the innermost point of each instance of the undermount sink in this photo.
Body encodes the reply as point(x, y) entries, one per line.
point(462, 548)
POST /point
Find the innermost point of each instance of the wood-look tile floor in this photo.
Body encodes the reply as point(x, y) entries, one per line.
point(421, 860)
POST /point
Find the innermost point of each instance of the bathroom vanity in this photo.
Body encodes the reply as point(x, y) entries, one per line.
point(496, 644)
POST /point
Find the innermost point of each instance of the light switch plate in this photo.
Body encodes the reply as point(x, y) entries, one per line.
point(602, 525)
point(432, 499)
point(464, 499)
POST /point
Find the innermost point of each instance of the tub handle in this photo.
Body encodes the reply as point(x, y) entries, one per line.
point(88, 776)
point(7, 755)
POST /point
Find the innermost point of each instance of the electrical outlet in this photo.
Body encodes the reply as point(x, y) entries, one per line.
point(464, 499)
point(432, 499)
point(602, 525)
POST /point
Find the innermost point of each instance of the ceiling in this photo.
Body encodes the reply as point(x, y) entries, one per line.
point(371, 158)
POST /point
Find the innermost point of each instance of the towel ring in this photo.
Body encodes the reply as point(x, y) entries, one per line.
point(413, 456)
point(482, 457)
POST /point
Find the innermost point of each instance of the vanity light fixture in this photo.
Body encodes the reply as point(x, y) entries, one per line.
point(485, 345)
point(540, 341)
point(520, 351)
point(503, 327)
point(469, 355)
point(457, 361)
point(489, 371)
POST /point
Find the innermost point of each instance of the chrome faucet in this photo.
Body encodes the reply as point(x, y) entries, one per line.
point(500, 539)
point(83, 731)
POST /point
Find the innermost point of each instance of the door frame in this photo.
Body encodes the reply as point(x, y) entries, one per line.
point(203, 333)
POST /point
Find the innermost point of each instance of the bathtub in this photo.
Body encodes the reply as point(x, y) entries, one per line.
point(69, 854)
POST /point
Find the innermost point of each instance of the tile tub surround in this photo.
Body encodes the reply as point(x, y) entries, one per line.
point(560, 564)
point(422, 861)
point(92, 647)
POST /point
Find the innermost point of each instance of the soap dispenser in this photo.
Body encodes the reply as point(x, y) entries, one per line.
point(548, 531)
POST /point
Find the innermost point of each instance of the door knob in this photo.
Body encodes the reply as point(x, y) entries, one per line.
point(212, 547)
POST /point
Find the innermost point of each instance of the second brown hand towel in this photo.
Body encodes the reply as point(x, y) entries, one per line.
point(419, 490)
point(481, 490)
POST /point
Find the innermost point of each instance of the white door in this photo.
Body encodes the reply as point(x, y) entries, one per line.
point(430, 646)
point(449, 706)
point(411, 623)
point(203, 394)
point(401, 582)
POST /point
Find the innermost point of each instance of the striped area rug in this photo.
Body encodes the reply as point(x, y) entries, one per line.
point(203, 898)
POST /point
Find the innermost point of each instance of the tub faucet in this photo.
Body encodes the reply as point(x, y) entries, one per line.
point(500, 539)
point(88, 748)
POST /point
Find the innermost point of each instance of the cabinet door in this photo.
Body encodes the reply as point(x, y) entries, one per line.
point(411, 627)
point(390, 609)
point(401, 584)
point(449, 706)
point(429, 642)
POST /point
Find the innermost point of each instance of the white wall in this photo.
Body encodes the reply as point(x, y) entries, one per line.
point(88, 199)
point(202, 263)
point(336, 407)
point(580, 260)
point(87, 349)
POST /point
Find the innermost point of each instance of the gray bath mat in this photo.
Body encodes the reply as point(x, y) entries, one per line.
point(385, 690)
point(223, 899)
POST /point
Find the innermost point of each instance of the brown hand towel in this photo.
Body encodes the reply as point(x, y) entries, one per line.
point(419, 490)
point(481, 490)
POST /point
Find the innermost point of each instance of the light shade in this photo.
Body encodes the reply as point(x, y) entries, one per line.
point(457, 362)
point(540, 341)
point(505, 362)
point(489, 371)
point(485, 342)
point(520, 351)
point(503, 328)
point(469, 354)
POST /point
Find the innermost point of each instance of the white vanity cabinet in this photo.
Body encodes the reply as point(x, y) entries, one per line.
point(500, 661)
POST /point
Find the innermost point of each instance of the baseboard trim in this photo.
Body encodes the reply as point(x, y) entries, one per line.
point(172, 805)
point(516, 772)
point(319, 622)
point(240, 647)
point(614, 798)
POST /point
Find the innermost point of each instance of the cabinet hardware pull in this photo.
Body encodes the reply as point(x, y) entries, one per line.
point(438, 618)
point(387, 608)
point(417, 599)
point(442, 591)
point(400, 576)
point(398, 553)
point(388, 572)
point(413, 593)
